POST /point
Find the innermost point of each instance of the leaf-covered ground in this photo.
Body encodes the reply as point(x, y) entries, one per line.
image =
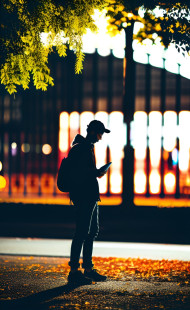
point(132, 284)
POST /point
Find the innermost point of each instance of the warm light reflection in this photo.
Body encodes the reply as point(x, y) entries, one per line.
point(170, 130)
point(155, 130)
point(2, 182)
point(117, 139)
point(111, 147)
point(17, 183)
point(140, 182)
point(184, 129)
point(63, 132)
point(169, 182)
point(13, 145)
point(140, 135)
point(74, 122)
point(116, 182)
point(46, 149)
point(32, 183)
point(25, 147)
point(47, 182)
point(155, 181)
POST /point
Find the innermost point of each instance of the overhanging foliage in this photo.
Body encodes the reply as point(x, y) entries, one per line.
point(23, 55)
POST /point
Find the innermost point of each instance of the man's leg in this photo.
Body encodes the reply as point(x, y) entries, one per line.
point(88, 243)
point(88, 249)
point(83, 223)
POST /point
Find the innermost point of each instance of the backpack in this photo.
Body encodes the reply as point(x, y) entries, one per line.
point(64, 173)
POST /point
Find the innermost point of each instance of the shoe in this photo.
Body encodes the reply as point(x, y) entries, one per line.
point(94, 275)
point(78, 278)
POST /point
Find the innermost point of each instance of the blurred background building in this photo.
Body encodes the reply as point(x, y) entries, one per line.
point(37, 128)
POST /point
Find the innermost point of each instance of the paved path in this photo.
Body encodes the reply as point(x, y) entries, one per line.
point(61, 248)
point(39, 283)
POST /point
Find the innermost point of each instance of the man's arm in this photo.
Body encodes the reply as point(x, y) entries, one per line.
point(82, 165)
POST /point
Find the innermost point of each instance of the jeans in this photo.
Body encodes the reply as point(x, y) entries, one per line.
point(87, 228)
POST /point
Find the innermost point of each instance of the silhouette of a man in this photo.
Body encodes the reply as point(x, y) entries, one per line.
point(85, 195)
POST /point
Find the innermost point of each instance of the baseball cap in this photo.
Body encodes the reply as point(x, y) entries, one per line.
point(97, 126)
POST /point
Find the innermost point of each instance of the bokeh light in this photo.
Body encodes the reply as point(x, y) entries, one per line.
point(155, 131)
point(155, 181)
point(13, 148)
point(46, 149)
point(113, 144)
point(63, 132)
point(2, 182)
point(116, 182)
point(140, 182)
point(117, 139)
point(184, 140)
point(25, 147)
point(170, 130)
point(169, 182)
point(13, 145)
point(74, 123)
point(140, 135)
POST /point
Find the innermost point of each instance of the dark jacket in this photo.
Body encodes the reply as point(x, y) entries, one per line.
point(84, 185)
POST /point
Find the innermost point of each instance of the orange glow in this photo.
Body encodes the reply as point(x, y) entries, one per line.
point(140, 135)
point(113, 144)
point(165, 155)
point(155, 181)
point(2, 182)
point(74, 121)
point(188, 181)
point(17, 183)
point(169, 182)
point(63, 131)
point(46, 149)
point(184, 129)
point(47, 182)
point(116, 141)
point(155, 156)
point(33, 182)
point(184, 160)
point(140, 182)
point(154, 130)
point(170, 130)
point(115, 182)
point(25, 147)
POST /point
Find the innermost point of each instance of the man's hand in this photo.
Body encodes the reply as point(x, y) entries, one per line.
point(101, 174)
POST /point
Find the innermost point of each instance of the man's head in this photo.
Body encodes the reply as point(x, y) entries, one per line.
point(95, 130)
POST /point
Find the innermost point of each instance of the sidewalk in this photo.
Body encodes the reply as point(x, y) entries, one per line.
point(34, 282)
point(61, 248)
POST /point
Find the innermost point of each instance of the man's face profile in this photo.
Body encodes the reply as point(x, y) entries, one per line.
point(95, 136)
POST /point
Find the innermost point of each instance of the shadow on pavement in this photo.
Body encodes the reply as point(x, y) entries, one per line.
point(37, 298)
